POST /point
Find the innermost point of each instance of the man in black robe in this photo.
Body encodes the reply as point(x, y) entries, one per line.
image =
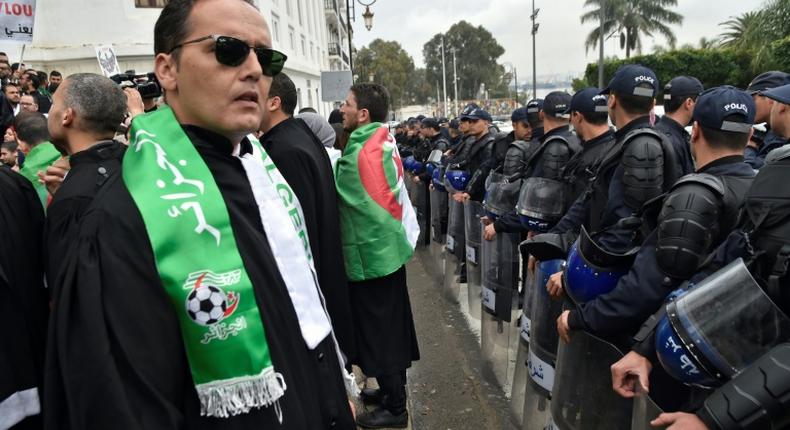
point(24, 307)
point(82, 123)
point(117, 357)
point(305, 165)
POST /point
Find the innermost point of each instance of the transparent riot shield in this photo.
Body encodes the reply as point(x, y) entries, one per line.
point(644, 410)
point(541, 354)
point(439, 208)
point(499, 264)
point(423, 209)
point(474, 234)
point(520, 374)
point(455, 249)
point(582, 397)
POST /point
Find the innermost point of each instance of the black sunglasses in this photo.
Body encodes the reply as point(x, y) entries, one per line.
point(232, 52)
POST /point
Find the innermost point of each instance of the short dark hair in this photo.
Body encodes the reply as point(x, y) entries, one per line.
point(674, 103)
point(10, 145)
point(373, 97)
point(721, 139)
point(42, 75)
point(34, 79)
point(99, 103)
point(55, 73)
point(595, 118)
point(635, 105)
point(10, 84)
point(284, 88)
point(31, 127)
point(307, 110)
point(173, 25)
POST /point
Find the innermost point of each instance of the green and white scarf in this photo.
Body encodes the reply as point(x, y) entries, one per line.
point(202, 271)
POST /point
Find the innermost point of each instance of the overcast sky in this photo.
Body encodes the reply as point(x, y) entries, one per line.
point(560, 40)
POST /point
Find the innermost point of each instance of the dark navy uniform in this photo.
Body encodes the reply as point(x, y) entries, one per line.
point(679, 138)
point(639, 293)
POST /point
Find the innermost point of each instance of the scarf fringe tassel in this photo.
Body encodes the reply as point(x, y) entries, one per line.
point(238, 396)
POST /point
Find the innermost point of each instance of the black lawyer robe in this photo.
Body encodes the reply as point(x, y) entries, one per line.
point(90, 169)
point(116, 357)
point(305, 165)
point(24, 304)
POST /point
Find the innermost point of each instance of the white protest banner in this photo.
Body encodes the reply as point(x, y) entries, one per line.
point(16, 20)
point(108, 62)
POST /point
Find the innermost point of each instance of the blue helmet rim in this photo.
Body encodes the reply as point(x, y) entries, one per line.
point(699, 349)
point(599, 258)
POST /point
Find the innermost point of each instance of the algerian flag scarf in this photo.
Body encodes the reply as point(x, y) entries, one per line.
point(201, 268)
point(37, 160)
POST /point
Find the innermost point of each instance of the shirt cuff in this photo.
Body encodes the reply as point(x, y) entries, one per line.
point(575, 321)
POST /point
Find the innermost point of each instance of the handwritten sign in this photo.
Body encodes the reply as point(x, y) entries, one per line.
point(108, 62)
point(16, 20)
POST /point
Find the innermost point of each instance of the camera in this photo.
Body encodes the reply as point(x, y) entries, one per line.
point(146, 84)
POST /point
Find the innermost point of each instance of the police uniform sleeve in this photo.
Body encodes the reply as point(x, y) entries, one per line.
point(637, 295)
point(574, 217)
point(756, 398)
point(508, 223)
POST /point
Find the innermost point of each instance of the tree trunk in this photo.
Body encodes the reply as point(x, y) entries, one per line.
point(627, 43)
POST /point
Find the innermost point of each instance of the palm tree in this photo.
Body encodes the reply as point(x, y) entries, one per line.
point(632, 18)
point(742, 32)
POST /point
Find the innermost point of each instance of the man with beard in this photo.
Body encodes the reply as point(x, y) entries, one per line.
point(304, 163)
point(379, 232)
point(190, 301)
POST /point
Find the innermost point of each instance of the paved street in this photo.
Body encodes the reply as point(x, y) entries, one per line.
point(447, 389)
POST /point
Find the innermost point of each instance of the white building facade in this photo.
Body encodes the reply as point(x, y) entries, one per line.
point(66, 32)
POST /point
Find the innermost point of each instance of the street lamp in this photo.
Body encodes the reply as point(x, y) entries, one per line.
point(367, 15)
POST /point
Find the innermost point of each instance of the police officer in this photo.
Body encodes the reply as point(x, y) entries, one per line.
point(480, 145)
point(755, 396)
point(680, 95)
point(589, 119)
point(639, 166)
point(696, 215)
point(454, 133)
point(764, 142)
point(779, 119)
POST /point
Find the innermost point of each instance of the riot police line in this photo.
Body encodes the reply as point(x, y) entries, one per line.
point(627, 273)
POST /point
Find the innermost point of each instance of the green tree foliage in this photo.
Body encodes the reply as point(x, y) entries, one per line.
point(756, 31)
point(477, 52)
point(632, 19)
point(388, 64)
point(712, 67)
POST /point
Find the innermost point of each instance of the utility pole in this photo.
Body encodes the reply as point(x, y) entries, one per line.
point(600, 48)
point(455, 82)
point(534, 66)
point(348, 23)
point(444, 80)
point(515, 82)
point(437, 98)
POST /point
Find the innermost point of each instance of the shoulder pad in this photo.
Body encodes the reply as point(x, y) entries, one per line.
point(644, 131)
point(501, 135)
point(714, 183)
point(778, 154)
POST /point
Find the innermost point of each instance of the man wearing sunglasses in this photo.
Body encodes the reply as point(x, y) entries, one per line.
point(190, 298)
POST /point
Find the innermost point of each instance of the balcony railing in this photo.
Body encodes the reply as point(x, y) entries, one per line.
point(334, 48)
point(331, 5)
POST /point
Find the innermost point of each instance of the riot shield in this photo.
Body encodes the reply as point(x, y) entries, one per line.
point(644, 410)
point(439, 207)
point(501, 194)
point(474, 235)
point(582, 397)
point(541, 353)
point(455, 248)
point(520, 374)
point(423, 209)
point(498, 330)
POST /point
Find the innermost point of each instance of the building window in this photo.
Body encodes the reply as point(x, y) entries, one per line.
point(291, 39)
point(276, 27)
point(150, 3)
point(288, 7)
point(304, 46)
point(312, 53)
